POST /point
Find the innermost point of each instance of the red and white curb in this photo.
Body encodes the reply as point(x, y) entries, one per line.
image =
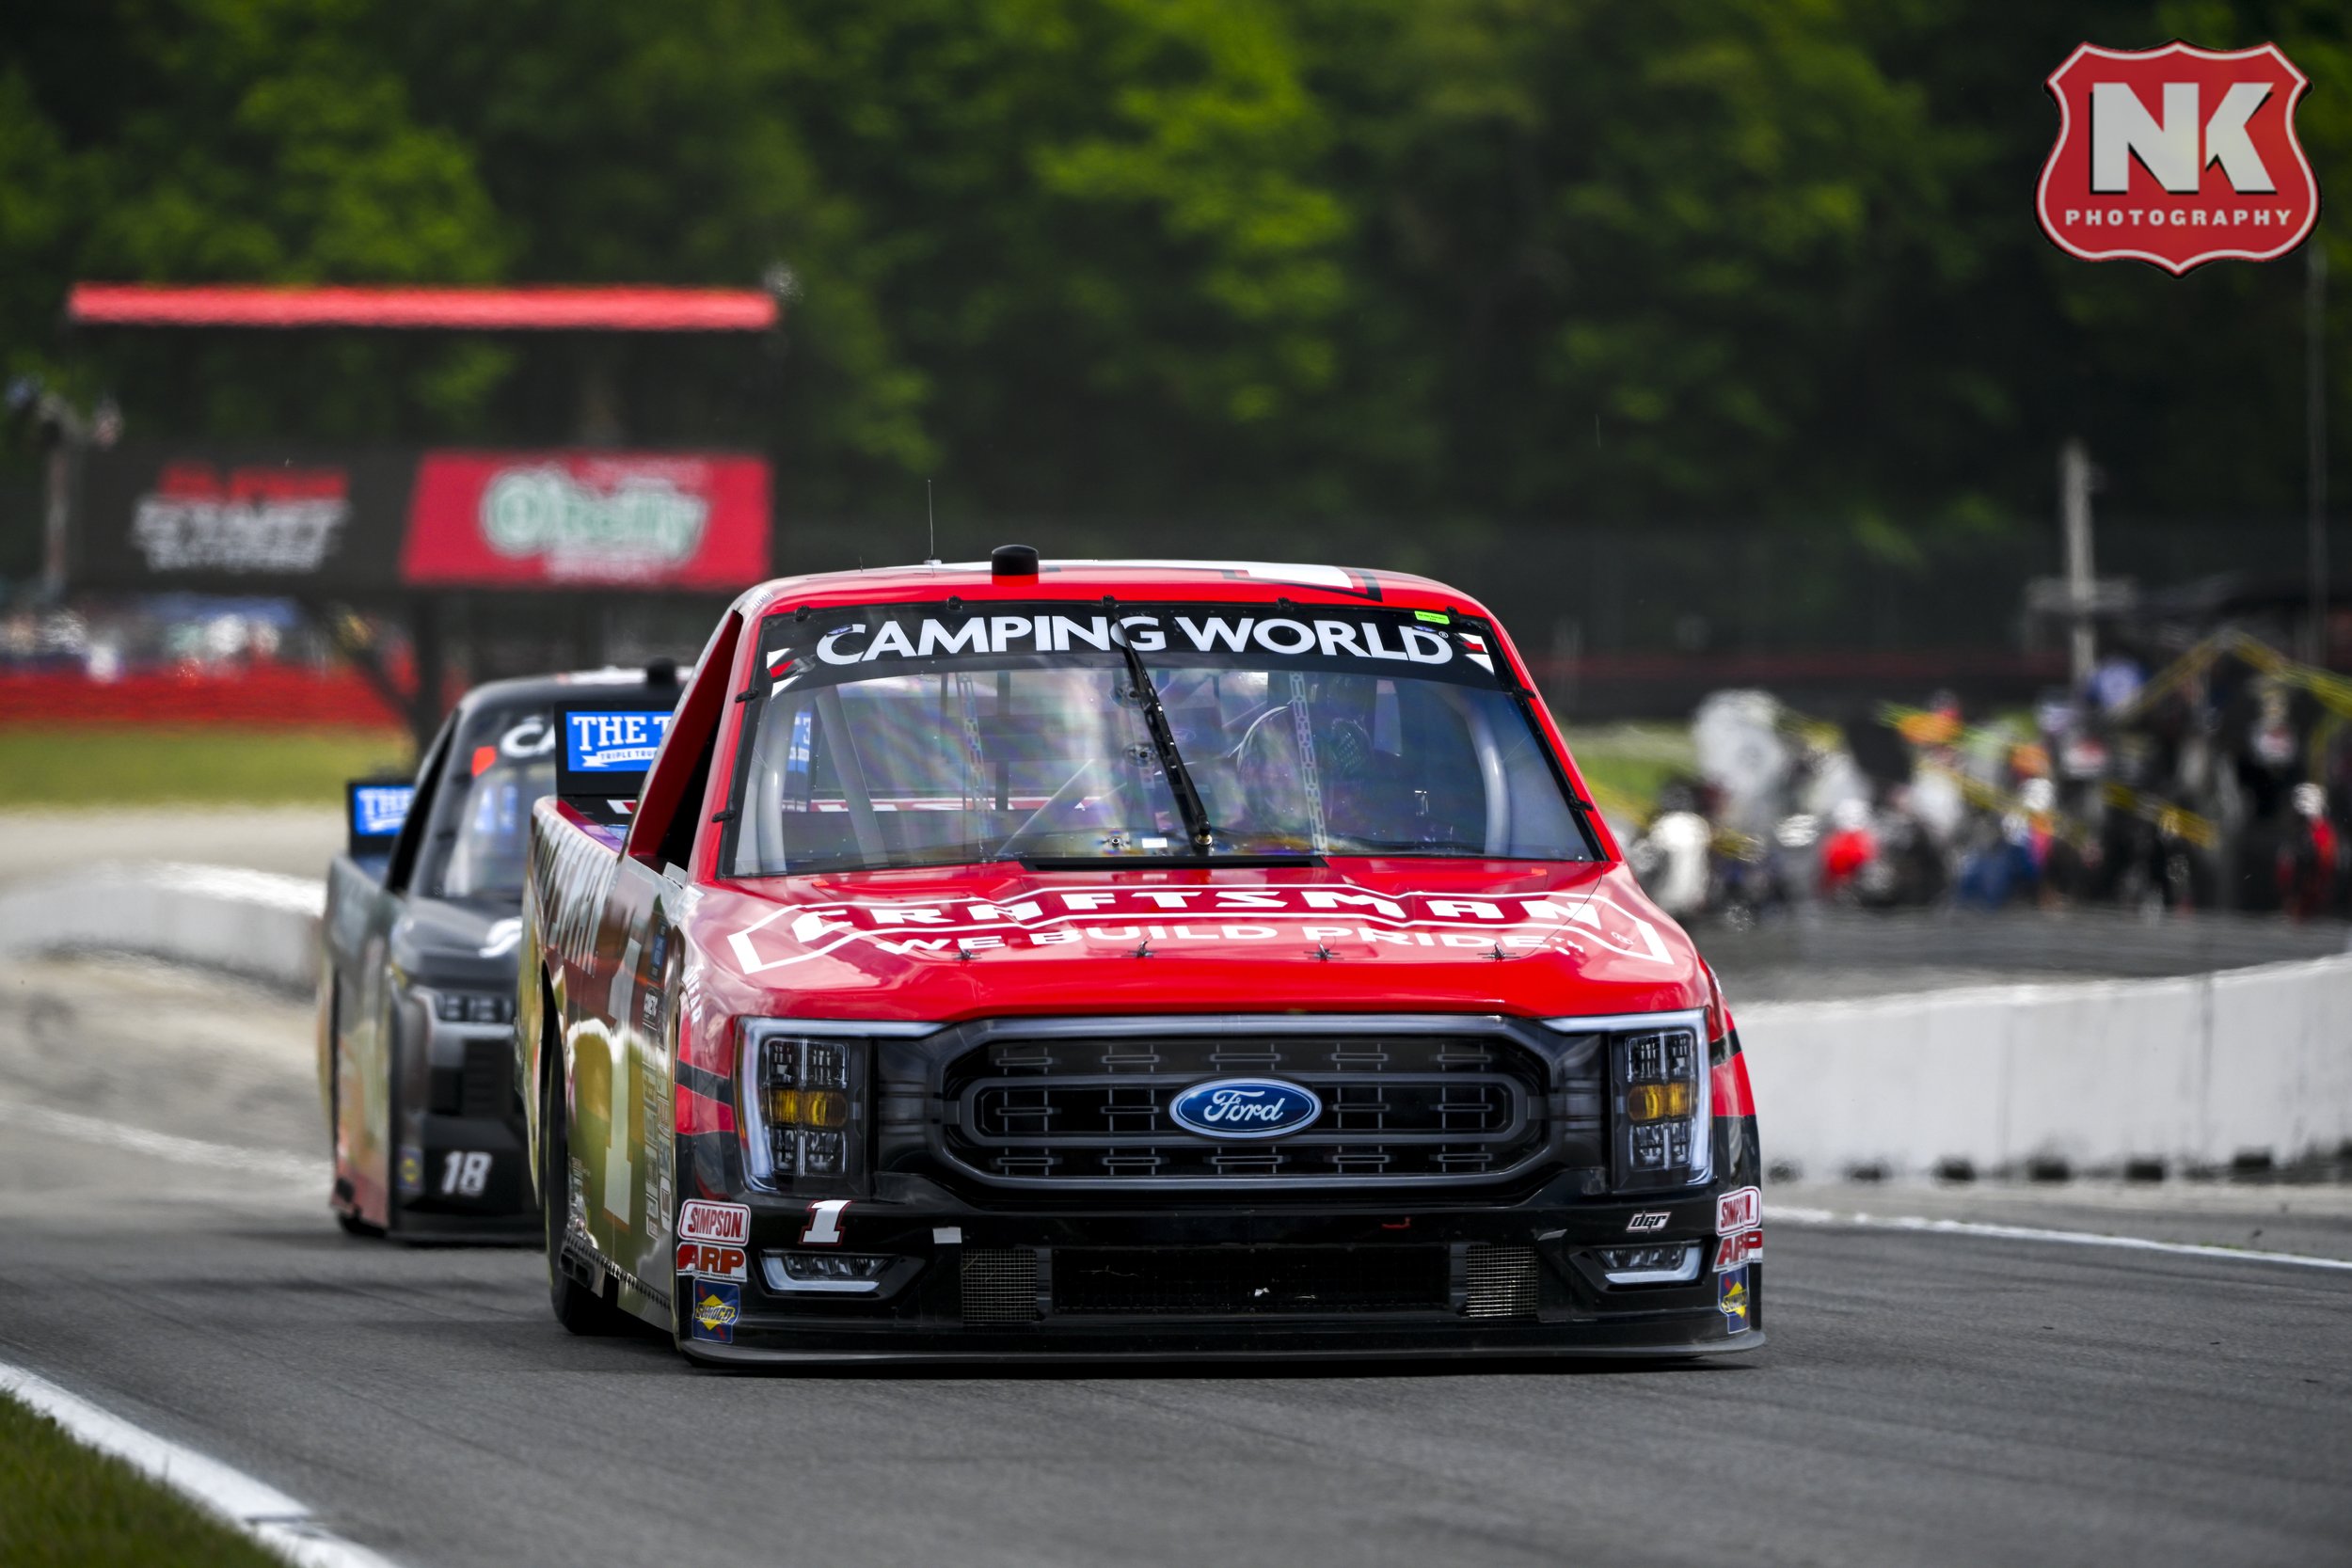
point(259, 1510)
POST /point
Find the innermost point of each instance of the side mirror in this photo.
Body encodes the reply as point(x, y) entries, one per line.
point(603, 752)
point(374, 809)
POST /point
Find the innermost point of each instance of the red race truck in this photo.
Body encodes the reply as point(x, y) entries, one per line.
point(1119, 958)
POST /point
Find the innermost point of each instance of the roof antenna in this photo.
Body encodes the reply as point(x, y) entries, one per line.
point(930, 515)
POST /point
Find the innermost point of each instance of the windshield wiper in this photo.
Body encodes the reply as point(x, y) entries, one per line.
point(1164, 741)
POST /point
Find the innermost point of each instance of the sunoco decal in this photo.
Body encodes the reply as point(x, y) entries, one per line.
point(1173, 917)
point(622, 742)
point(1731, 1299)
point(712, 1310)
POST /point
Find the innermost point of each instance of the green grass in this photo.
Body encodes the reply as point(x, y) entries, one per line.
point(65, 1506)
point(69, 767)
point(1630, 762)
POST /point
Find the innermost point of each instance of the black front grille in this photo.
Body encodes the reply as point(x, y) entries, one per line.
point(1095, 1109)
point(999, 1285)
point(484, 1087)
point(1232, 1282)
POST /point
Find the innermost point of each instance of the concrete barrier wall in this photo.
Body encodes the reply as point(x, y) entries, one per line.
point(257, 924)
point(2192, 1071)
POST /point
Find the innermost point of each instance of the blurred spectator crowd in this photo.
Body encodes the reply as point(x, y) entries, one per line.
point(2218, 781)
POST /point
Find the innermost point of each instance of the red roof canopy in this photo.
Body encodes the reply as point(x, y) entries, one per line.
point(629, 309)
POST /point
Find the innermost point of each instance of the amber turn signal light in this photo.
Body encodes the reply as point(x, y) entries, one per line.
point(808, 1108)
point(1658, 1102)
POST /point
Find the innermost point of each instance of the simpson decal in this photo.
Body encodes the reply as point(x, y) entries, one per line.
point(712, 1310)
point(1739, 1211)
point(699, 1220)
point(1172, 917)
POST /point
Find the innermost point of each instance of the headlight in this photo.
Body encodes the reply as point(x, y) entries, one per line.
point(802, 1099)
point(1662, 1132)
point(472, 1006)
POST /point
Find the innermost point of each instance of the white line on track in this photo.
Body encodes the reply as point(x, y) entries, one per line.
point(2032, 1233)
point(258, 1509)
point(187, 1151)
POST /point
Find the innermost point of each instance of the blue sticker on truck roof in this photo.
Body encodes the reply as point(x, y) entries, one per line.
point(378, 809)
point(619, 742)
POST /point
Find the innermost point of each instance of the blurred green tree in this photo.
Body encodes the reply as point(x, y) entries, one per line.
point(1432, 266)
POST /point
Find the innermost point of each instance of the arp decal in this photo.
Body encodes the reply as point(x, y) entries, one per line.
point(1175, 916)
point(1733, 1251)
point(712, 1310)
point(1642, 1224)
point(824, 1222)
point(1731, 1299)
point(700, 1220)
point(1739, 1211)
point(709, 1260)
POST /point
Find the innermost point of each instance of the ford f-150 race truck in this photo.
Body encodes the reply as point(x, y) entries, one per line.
point(417, 982)
point(1100, 959)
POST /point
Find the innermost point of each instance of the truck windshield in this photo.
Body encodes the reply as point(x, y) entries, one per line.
point(503, 762)
point(913, 734)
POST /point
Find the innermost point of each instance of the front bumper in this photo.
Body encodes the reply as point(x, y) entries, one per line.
point(1289, 1283)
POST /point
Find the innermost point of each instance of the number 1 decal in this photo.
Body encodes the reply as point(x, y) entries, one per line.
point(824, 1222)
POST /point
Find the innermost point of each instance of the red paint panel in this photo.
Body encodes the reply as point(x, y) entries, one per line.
point(1732, 1098)
point(610, 310)
point(556, 519)
point(699, 1113)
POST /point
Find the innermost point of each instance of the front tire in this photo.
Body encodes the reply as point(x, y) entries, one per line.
point(576, 1307)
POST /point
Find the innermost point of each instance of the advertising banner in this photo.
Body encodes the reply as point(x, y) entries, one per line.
point(587, 520)
point(229, 518)
point(240, 518)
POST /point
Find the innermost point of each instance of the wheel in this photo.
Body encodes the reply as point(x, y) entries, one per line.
point(354, 1226)
point(576, 1307)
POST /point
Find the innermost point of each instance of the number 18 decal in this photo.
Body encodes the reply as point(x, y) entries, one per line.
point(464, 1172)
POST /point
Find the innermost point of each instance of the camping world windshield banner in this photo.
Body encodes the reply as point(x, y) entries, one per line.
point(559, 519)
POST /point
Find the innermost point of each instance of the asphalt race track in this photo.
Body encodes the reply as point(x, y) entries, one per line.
point(1925, 1398)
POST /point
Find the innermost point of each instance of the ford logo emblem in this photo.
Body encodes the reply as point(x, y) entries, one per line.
point(1244, 1108)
